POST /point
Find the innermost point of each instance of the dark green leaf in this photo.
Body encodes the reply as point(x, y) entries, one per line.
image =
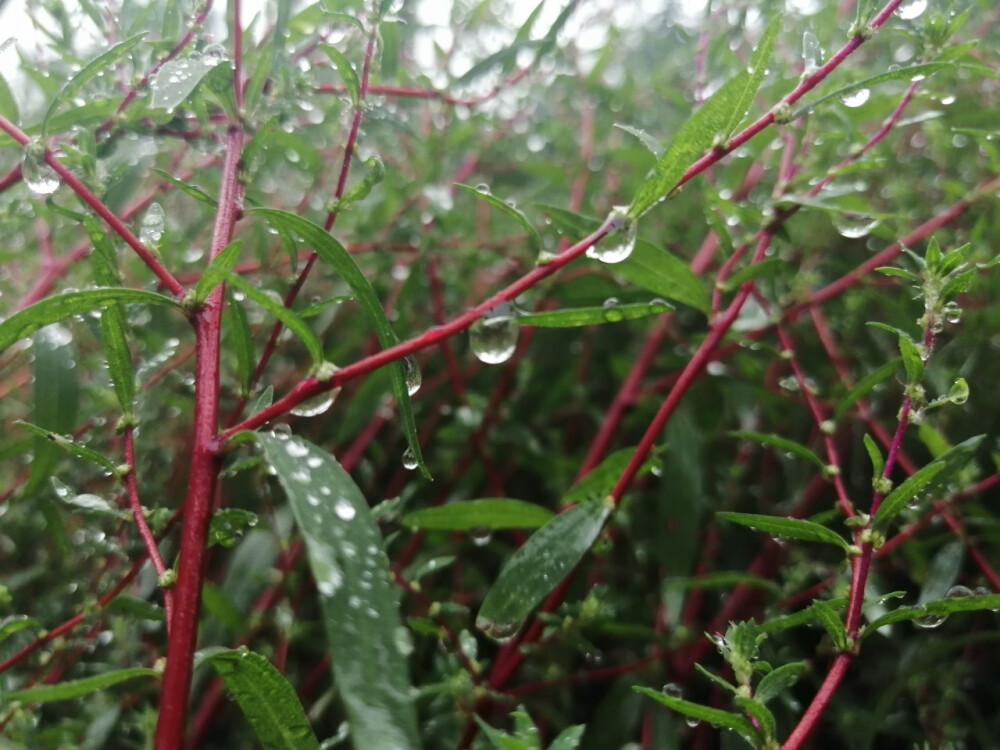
point(585, 316)
point(490, 513)
point(56, 393)
point(782, 444)
point(864, 387)
point(337, 256)
point(789, 528)
point(224, 261)
point(359, 600)
point(266, 698)
point(507, 208)
point(936, 609)
point(538, 566)
point(192, 190)
point(763, 718)
point(599, 482)
point(832, 624)
point(15, 624)
point(721, 579)
point(71, 446)
point(64, 691)
point(875, 455)
point(697, 711)
point(50, 310)
point(778, 680)
point(228, 526)
point(912, 362)
point(767, 268)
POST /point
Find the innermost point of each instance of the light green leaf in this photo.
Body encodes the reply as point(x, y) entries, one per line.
point(50, 310)
point(224, 261)
point(538, 566)
point(790, 528)
point(649, 266)
point(346, 70)
point(586, 316)
point(337, 256)
point(241, 343)
point(15, 624)
point(652, 144)
point(266, 698)
point(912, 362)
point(512, 211)
point(713, 716)
point(174, 82)
point(758, 67)
point(87, 73)
point(490, 513)
point(778, 680)
point(64, 691)
point(864, 387)
point(360, 602)
point(832, 624)
point(192, 190)
point(767, 268)
point(71, 446)
point(875, 456)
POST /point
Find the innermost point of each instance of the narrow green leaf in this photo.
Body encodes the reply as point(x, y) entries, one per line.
point(510, 210)
point(790, 528)
point(89, 71)
point(912, 362)
point(360, 603)
point(192, 190)
point(802, 617)
point(758, 67)
point(346, 70)
point(224, 261)
point(899, 272)
point(50, 310)
point(337, 256)
point(652, 144)
point(896, 500)
point(781, 444)
point(832, 624)
point(267, 700)
point(288, 318)
point(778, 680)
point(600, 480)
point(241, 342)
point(723, 683)
point(64, 691)
point(586, 316)
point(875, 455)
point(489, 513)
point(538, 566)
point(15, 624)
point(56, 395)
point(762, 716)
point(87, 503)
point(569, 738)
point(720, 580)
point(900, 74)
point(178, 78)
point(713, 716)
point(649, 266)
point(939, 608)
point(864, 387)
point(767, 268)
point(71, 446)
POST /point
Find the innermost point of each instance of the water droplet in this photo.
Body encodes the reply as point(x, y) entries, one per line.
point(620, 244)
point(295, 449)
point(910, 9)
point(854, 226)
point(344, 510)
point(493, 337)
point(411, 372)
point(214, 54)
point(855, 98)
point(403, 640)
point(316, 405)
point(409, 460)
point(959, 592)
point(812, 53)
point(481, 535)
point(38, 176)
point(691, 721)
point(153, 223)
point(929, 620)
point(673, 690)
point(482, 187)
point(952, 312)
point(281, 431)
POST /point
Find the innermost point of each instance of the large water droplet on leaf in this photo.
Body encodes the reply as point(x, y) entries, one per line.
point(910, 9)
point(313, 407)
point(153, 223)
point(481, 535)
point(854, 226)
point(344, 510)
point(618, 246)
point(493, 337)
point(39, 176)
point(855, 98)
point(929, 620)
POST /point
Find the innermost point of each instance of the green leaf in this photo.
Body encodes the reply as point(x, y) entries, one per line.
point(778, 680)
point(790, 528)
point(87, 503)
point(875, 455)
point(600, 480)
point(721, 579)
point(512, 211)
point(569, 738)
point(781, 444)
point(758, 67)
point(763, 718)
point(346, 70)
point(724, 684)
point(15, 624)
point(56, 394)
point(228, 526)
point(832, 624)
point(652, 144)
point(50, 310)
point(490, 513)
point(337, 256)
point(174, 82)
point(71, 446)
point(8, 104)
point(538, 566)
point(116, 350)
point(713, 716)
point(266, 698)
point(224, 261)
point(359, 600)
point(900, 74)
point(586, 316)
point(649, 266)
point(912, 362)
point(767, 268)
point(192, 190)
point(939, 608)
point(64, 691)
point(89, 71)
point(289, 319)
point(864, 387)
point(241, 343)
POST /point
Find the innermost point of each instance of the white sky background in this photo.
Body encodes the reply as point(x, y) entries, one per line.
point(14, 21)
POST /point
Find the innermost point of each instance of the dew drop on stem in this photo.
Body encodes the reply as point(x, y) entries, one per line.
point(619, 245)
point(493, 337)
point(38, 175)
